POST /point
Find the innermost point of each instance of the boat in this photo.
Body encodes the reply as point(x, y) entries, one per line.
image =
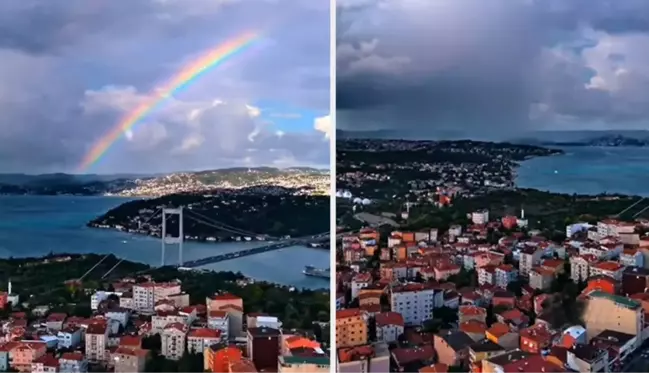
point(316, 272)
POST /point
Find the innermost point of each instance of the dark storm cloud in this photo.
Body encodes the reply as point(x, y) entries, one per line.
point(70, 69)
point(494, 67)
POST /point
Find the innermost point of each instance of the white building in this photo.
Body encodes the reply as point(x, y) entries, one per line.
point(360, 281)
point(219, 320)
point(96, 337)
point(73, 362)
point(415, 302)
point(69, 337)
point(480, 217)
point(268, 322)
point(147, 294)
point(389, 326)
point(505, 273)
point(101, 296)
point(200, 339)
point(173, 341)
point(632, 258)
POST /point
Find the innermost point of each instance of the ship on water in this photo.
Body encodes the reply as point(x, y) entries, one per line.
point(316, 272)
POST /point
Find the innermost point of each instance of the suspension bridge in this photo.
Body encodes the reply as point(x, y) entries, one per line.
point(272, 243)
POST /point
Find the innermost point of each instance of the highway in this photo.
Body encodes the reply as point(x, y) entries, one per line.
point(256, 250)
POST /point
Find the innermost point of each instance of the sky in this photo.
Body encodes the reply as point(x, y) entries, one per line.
point(492, 68)
point(71, 69)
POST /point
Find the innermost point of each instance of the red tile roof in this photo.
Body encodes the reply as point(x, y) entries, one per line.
point(205, 333)
point(349, 312)
point(388, 318)
point(76, 356)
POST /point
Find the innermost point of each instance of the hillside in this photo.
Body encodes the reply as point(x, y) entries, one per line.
point(313, 180)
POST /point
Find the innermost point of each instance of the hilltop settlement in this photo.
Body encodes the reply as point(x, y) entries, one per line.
point(120, 316)
point(451, 274)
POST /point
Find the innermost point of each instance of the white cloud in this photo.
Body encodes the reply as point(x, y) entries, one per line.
point(323, 124)
point(202, 132)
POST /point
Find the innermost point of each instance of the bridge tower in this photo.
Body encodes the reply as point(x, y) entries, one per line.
point(173, 240)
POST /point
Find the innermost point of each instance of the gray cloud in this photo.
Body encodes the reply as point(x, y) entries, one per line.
point(72, 68)
point(487, 68)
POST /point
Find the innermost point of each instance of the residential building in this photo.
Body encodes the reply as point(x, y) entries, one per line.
point(389, 326)
point(351, 327)
point(128, 360)
point(587, 358)
point(470, 312)
point(608, 268)
point(452, 347)
point(263, 347)
point(360, 281)
point(200, 339)
point(487, 275)
point(415, 302)
point(612, 312)
point(481, 350)
point(298, 364)
point(632, 258)
point(69, 337)
point(73, 362)
point(174, 338)
point(25, 353)
point(364, 359)
point(635, 280)
point(580, 267)
point(219, 320)
point(505, 273)
point(45, 364)
point(55, 321)
point(529, 258)
point(96, 338)
point(536, 339)
point(217, 359)
point(541, 278)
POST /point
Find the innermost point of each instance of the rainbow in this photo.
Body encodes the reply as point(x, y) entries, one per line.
point(187, 75)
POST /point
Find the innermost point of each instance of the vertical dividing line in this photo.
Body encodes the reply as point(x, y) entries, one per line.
point(332, 193)
point(163, 235)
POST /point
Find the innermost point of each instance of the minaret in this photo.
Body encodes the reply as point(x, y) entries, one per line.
point(9, 288)
point(522, 214)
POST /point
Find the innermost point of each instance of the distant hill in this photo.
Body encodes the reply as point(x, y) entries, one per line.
point(54, 184)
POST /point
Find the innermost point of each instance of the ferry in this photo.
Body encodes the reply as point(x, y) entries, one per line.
point(316, 272)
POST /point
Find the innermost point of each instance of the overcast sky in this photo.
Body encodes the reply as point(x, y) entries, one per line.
point(70, 69)
point(492, 67)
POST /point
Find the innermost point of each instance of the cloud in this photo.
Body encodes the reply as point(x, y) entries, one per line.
point(323, 124)
point(71, 69)
point(494, 68)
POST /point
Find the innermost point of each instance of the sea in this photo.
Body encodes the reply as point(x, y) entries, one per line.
point(589, 170)
point(33, 226)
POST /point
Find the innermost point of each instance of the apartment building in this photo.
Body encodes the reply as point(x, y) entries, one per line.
point(415, 302)
point(73, 362)
point(218, 359)
point(505, 273)
point(96, 338)
point(45, 364)
point(264, 347)
point(580, 267)
point(128, 360)
point(146, 295)
point(608, 268)
point(612, 312)
point(389, 326)
point(364, 359)
point(298, 364)
point(200, 339)
point(529, 258)
point(173, 341)
point(360, 281)
point(351, 327)
point(219, 320)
